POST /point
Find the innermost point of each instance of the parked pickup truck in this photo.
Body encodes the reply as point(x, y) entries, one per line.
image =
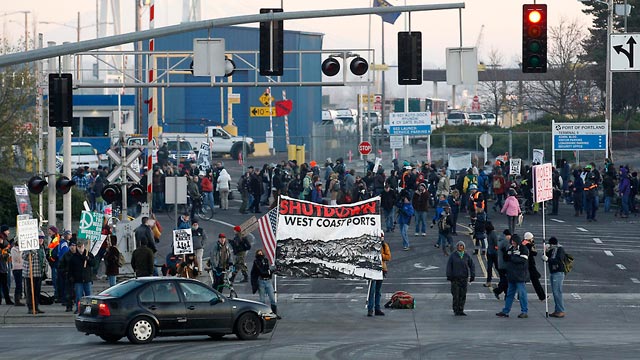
point(222, 142)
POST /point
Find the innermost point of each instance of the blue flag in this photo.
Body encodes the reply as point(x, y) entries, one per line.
point(388, 17)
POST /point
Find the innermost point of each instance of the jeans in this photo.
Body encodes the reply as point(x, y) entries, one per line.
point(265, 288)
point(374, 295)
point(499, 202)
point(445, 239)
point(82, 289)
point(389, 217)
point(421, 222)
point(625, 205)
point(607, 203)
point(112, 280)
point(512, 223)
point(403, 233)
point(591, 206)
point(520, 288)
point(208, 198)
point(54, 278)
point(158, 200)
point(556, 280)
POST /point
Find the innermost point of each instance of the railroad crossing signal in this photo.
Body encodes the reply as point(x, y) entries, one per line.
point(117, 171)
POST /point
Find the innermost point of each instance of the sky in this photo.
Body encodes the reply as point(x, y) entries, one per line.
point(499, 20)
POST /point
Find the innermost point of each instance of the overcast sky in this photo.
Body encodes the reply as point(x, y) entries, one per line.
point(502, 20)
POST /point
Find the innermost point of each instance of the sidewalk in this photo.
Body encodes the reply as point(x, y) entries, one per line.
point(55, 313)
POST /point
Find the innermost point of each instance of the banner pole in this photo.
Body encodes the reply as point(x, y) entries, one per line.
point(366, 304)
point(544, 237)
point(33, 297)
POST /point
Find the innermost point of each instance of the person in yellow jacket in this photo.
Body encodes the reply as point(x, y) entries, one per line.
point(375, 286)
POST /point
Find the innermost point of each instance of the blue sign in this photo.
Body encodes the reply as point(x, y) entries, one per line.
point(410, 130)
point(580, 142)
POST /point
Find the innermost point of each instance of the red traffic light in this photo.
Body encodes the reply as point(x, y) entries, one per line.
point(535, 16)
point(63, 184)
point(36, 185)
point(136, 193)
point(330, 67)
point(359, 66)
point(111, 194)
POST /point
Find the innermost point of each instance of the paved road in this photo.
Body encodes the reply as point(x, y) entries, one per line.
point(326, 318)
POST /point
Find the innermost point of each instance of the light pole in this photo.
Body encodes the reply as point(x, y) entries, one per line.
point(77, 28)
point(26, 26)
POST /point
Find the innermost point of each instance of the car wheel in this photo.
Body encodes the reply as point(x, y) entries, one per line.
point(141, 330)
point(248, 327)
point(111, 339)
point(236, 150)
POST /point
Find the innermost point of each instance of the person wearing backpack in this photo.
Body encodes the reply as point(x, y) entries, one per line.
point(112, 260)
point(554, 257)
point(240, 245)
point(445, 223)
point(498, 189)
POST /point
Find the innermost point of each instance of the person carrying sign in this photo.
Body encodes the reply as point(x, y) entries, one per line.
point(33, 267)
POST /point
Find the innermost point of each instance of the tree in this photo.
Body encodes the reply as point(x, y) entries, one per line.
point(17, 108)
point(567, 95)
point(495, 88)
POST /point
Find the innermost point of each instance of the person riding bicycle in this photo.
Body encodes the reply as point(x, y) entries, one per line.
point(221, 259)
point(193, 191)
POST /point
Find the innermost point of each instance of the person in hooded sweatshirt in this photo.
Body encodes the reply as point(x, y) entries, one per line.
point(224, 181)
point(460, 268)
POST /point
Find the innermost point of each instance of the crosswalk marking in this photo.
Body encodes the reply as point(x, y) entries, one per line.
point(582, 229)
point(608, 253)
point(558, 220)
point(635, 280)
point(597, 240)
point(621, 267)
point(576, 296)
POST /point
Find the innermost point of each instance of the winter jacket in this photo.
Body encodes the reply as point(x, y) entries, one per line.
point(444, 186)
point(386, 255)
point(555, 255)
point(224, 179)
point(460, 266)
point(199, 238)
point(206, 184)
point(624, 188)
point(142, 261)
point(517, 261)
point(511, 206)
point(503, 247)
point(492, 243)
point(111, 259)
point(388, 199)
point(81, 266)
point(420, 201)
point(405, 213)
point(221, 256)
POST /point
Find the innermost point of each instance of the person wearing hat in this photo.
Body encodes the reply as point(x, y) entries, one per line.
point(62, 284)
point(517, 275)
point(221, 260)
point(34, 263)
point(511, 208)
point(460, 272)
point(534, 274)
point(554, 257)
point(591, 182)
point(52, 257)
point(445, 224)
point(420, 202)
point(405, 212)
point(199, 237)
point(261, 274)
point(503, 246)
point(5, 252)
point(240, 245)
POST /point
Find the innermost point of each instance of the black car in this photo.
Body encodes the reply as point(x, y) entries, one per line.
point(144, 308)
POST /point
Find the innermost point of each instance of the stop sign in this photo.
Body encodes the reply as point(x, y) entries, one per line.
point(365, 148)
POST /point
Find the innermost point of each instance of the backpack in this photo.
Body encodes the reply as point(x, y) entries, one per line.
point(442, 223)
point(568, 262)
point(401, 300)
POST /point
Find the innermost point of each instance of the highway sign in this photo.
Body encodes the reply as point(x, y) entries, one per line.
point(623, 54)
point(266, 99)
point(365, 148)
point(256, 111)
point(396, 141)
point(411, 123)
point(579, 136)
point(543, 182)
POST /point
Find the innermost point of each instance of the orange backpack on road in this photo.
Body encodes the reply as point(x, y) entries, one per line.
point(401, 300)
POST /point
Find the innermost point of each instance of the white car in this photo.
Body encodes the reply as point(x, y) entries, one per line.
point(492, 119)
point(477, 119)
point(82, 154)
point(349, 123)
point(457, 118)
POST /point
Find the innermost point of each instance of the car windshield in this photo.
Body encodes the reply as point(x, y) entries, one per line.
point(184, 146)
point(456, 116)
point(121, 289)
point(82, 150)
point(475, 116)
point(346, 119)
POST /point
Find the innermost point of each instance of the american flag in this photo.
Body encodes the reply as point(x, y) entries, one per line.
point(267, 226)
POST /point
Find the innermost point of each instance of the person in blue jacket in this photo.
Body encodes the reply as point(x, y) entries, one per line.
point(405, 212)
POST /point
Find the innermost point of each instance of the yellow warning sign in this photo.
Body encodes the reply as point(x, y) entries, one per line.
point(256, 111)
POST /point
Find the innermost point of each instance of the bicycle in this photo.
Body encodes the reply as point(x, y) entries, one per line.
point(203, 208)
point(227, 284)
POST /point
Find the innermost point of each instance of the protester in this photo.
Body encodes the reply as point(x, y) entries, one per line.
point(16, 262)
point(81, 273)
point(517, 275)
point(503, 248)
point(460, 268)
point(375, 286)
point(142, 260)
point(5, 253)
point(511, 208)
point(240, 245)
point(554, 257)
point(221, 260)
point(261, 275)
point(405, 212)
point(199, 237)
point(33, 266)
point(112, 260)
point(534, 274)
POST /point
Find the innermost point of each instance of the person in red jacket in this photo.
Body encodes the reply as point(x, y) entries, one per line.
point(206, 185)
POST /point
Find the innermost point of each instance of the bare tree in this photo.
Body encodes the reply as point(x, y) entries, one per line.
point(567, 95)
point(495, 89)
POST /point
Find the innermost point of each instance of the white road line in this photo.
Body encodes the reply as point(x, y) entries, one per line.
point(482, 296)
point(557, 220)
point(597, 240)
point(621, 267)
point(576, 296)
point(608, 253)
point(359, 288)
point(635, 280)
point(582, 229)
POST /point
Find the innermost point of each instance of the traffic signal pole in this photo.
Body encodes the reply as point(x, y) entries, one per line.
point(51, 160)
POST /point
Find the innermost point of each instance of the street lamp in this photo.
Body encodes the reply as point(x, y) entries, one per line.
point(608, 81)
point(26, 25)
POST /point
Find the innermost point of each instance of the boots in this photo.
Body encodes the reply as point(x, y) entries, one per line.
point(246, 277)
point(274, 308)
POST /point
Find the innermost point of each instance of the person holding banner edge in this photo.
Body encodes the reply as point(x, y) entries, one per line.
point(375, 286)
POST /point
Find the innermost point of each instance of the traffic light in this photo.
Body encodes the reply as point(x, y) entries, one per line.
point(111, 194)
point(36, 185)
point(271, 45)
point(63, 184)
point(60, 100)
point(409, 58)
point(136, 194)
point(330, 66)
point(534, 38)
point(359, 66)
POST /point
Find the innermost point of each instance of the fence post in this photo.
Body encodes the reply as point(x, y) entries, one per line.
point(510, 144)
point(528, 147)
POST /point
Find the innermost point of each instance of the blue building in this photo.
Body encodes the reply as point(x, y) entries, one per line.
point(190, 109)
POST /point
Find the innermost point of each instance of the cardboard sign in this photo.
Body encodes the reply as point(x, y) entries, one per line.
point(514, 166)
point(543, 182)
point(182, 242)
point(28, 234)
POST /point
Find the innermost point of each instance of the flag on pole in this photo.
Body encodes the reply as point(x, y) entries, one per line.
point(267, 226)
point(388, 17)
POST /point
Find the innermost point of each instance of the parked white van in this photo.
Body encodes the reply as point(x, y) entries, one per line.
point(82, 154)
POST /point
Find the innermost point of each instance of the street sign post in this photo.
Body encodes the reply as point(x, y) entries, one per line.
point(365, 148)
point(486, 140)
point(266, 99)
point(410, 123)
point(257, 111)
